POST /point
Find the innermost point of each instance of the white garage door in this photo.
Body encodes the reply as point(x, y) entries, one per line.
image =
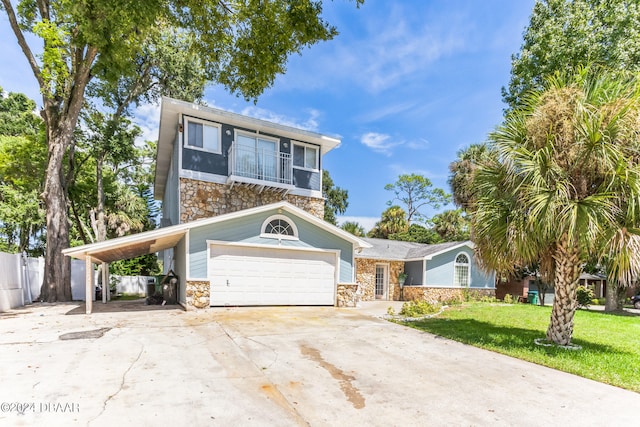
point(267, 276)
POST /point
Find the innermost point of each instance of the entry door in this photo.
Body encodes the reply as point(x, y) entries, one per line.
point(382, 280)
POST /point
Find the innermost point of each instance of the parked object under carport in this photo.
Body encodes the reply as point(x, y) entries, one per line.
point(163, 289)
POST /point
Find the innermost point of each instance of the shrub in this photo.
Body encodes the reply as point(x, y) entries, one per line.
point(391, 311)
point(508, 299)
point(418, 308)
point(488, 299)
point(584, 296)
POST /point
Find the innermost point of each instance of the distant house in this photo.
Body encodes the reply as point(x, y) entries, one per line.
point(439, 272)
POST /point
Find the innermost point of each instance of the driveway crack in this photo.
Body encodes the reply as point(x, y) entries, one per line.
point(122, 381)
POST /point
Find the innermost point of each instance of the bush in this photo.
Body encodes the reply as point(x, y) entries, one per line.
point(418, 308)
point(584, 296)
point(508, 299)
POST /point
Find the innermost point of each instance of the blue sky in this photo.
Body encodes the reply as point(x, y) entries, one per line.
point(405, 85)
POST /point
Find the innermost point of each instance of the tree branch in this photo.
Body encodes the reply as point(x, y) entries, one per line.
point(23, 42)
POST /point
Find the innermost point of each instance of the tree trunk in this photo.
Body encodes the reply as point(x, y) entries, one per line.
point(615, 297)
point(611, 303)
point(56, 285)
point(565, 304)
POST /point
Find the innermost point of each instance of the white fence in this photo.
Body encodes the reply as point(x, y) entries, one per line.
point(21, 278)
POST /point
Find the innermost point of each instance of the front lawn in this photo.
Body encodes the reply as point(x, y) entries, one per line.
point(610, 343)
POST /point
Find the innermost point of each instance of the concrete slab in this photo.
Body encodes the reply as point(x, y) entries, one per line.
point(275, 366)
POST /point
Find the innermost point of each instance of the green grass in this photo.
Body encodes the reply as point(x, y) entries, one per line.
point(610, 342)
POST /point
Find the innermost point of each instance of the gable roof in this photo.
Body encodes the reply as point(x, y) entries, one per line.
point(405, 251)
point(163, 238)
point(170, 112)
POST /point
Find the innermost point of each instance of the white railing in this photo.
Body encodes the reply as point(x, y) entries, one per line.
point(263, 165)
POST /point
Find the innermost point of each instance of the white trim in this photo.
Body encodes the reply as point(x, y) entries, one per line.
point(187, 264)
point(256, 135)
point(203, 176)
point(185, 133)
point(263, 246)
point(305, 145)
point(468, 265)
point(452, 287)
point(337, 252)
point(179, 169)
point(222, 179)
point(81, 251)
point(386, 281)
point(280, 217)
point(468, 243)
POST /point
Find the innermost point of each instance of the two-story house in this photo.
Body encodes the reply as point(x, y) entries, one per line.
point(242, 214)
point(250, 193)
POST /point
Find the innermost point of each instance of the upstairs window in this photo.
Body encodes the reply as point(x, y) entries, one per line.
point(279, 227)
point(461, 271)
point(202, 135)
point(305, 157)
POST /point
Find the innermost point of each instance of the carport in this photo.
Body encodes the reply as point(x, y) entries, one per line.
point(147, 242)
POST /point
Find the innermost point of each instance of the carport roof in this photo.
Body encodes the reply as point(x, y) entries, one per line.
point(147, 242)
point(153, 241)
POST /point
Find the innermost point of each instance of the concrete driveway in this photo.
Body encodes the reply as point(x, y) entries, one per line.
point(282, 366)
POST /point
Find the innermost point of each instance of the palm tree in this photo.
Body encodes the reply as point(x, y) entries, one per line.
point(354, 228)
point(392, 221)
point(563, 185)
point(462, 172)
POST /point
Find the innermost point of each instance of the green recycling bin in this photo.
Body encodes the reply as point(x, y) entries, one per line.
point(532, 297)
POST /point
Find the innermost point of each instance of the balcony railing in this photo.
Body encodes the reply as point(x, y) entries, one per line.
point(257, 166)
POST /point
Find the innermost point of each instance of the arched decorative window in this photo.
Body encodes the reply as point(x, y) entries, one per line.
point(279, 227)
point(461, 268)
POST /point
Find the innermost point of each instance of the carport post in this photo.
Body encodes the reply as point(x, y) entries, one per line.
point(88, 280)
point(107, 280)
point(105, 284)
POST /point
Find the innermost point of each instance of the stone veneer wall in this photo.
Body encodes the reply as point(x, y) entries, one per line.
point(198, 295)
point(347, 295)
point(201, 199)
point(436, 295)
point(366, 277)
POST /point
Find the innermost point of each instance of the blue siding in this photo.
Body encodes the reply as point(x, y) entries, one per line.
point(170, 197)
point(247, 230)
point(218, 164)
point(306, 179)
point(440, 270)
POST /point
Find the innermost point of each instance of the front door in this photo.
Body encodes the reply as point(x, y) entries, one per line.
point(381, 280)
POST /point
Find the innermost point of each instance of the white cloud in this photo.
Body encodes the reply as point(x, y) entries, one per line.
point(310, 123)
point(389, 51)
point(418, 144)
point(367, 222)
point(148, 119)
point(386, 111)
point(379, 142)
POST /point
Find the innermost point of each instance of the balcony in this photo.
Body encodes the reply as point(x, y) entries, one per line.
point(261, 168)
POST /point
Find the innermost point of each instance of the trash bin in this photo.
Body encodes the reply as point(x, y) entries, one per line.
point(151, 286)
point(532, 297)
